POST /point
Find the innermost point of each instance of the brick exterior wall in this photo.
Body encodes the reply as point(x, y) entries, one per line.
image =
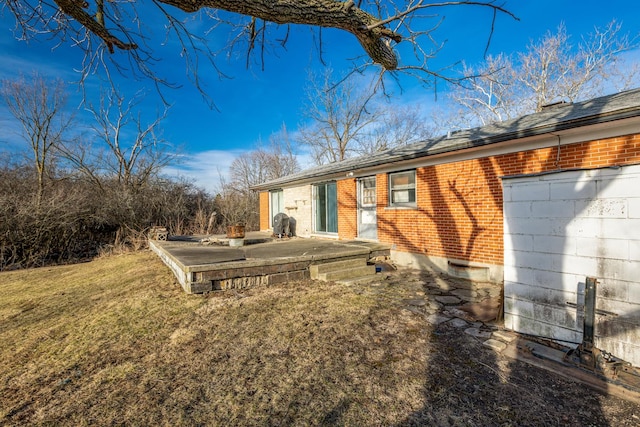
point(264, 211)
point(347, 208)
point(459, 205)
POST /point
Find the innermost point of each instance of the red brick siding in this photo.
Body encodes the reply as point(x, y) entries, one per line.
point(347, 209)
point(459, 205)
point(264, 210)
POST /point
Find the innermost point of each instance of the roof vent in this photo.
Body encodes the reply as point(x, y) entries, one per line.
point(554, 105)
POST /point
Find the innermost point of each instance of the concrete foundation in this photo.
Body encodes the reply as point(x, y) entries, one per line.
point(455, 268)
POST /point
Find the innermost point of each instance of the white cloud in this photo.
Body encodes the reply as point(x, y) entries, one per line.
point(207, 169)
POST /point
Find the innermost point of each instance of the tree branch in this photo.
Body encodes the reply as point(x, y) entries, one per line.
point(74, 9)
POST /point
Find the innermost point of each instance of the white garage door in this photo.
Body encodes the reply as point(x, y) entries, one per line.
point(561, 228)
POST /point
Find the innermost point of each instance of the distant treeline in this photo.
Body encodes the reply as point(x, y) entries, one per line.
point(75, 219)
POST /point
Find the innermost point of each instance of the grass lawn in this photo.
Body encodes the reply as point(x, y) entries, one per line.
point(116, 341)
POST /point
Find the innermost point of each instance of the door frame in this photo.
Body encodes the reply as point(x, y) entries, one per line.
point(367, 207)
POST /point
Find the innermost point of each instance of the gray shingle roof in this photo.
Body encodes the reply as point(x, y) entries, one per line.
point(558, 118)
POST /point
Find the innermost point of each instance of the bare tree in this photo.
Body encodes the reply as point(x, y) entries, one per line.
point(380, 26)
point(337, 115)
point(262, 164)
point(550, 70)
point(397, 125)
point(349, 118)
point(237, 202)
point(281, 158)
point(130, 149)
point(38, 105)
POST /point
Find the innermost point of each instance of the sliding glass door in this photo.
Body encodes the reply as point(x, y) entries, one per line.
point(326, 207)
point(276, 204)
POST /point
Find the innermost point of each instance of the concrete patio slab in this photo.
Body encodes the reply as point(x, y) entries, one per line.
point(202, 267)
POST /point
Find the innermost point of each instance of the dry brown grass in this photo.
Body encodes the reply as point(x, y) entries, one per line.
point(117, 342)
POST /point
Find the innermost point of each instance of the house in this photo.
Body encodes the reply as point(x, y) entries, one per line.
point(539, 202)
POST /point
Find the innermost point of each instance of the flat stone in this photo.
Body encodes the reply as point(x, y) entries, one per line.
point(458, 323)
point(465, 294)
point(495, 345)
point(504, 336)
point(442, 284)
point(435, 305)
point(417, 302)
point(484, 311)
point(544, 352)
point(494, 292)
point(454, 312)
point(475, 332)
point(463, 284)
point(436, 319)
point(448, 300)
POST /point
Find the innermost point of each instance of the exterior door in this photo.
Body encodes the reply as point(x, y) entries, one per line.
point(367, 218)
point(326, 208)
point(276, 205)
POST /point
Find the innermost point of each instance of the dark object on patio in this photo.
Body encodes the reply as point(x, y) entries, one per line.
point(281, 225)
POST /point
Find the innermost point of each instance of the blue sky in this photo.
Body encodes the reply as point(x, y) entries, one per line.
point(253, 104)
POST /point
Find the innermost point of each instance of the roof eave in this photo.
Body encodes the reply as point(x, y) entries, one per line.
point(337, 170)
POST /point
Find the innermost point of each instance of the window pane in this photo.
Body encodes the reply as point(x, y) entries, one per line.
point(277, 203)
point(368, 191)
point(400, 196)
point(403, 180)
point(332, 208)
point(402, 188)
point(321, 208)
point(326, 208)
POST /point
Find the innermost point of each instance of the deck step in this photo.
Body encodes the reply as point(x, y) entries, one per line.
point(347, 273)
point(316, 270)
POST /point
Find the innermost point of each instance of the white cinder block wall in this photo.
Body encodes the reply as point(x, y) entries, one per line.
point(297, 205)
point(560, 228)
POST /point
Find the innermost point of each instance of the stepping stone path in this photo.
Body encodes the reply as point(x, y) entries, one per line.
point(495, 345)
point(458, 323)
point(439, 298)
point(448, 300)
point(436, 319)
point(477, 333)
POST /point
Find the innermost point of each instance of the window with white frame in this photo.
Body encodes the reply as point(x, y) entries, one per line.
point(402, 188)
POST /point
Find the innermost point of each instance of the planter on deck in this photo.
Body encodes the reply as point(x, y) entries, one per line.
point(235, 232)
